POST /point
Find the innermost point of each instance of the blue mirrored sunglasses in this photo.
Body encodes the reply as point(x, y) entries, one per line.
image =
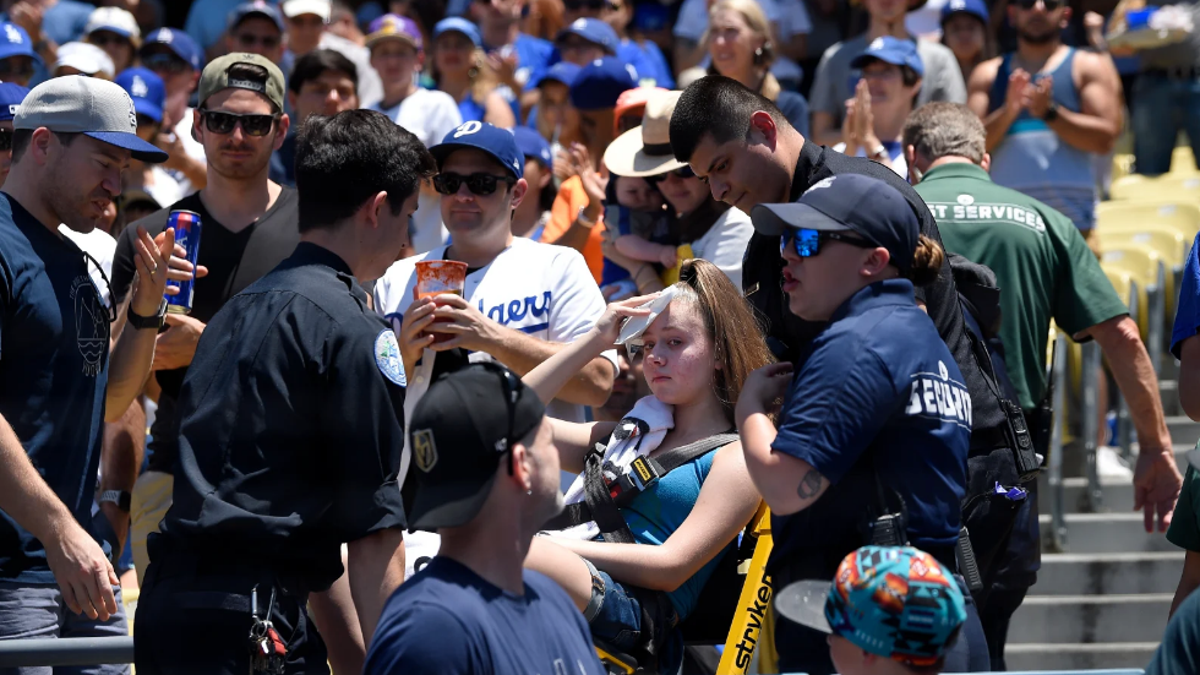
point(806, 243)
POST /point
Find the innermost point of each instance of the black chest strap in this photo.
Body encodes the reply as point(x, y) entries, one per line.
point(604, 499)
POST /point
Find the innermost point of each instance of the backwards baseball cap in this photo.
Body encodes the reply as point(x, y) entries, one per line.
point(85, 57)
point(180, 43)
point(896, 602)
point(601, 82)
point(976, 8)
point(532, 145)
point(90, 106)
point(258, 8)
point(394, 27)
point(11, 96)
point(14, 41)
point(891, 50)
point(592, 30)
point(114, 20)
point(497, 142)
point(147, 90)
point(848, 201)
point(216, 78)
point(295, 8)
point(460, 430)
point(563, 71)
point(457, 24)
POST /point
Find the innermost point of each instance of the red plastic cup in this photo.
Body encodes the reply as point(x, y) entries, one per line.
point(438, 277)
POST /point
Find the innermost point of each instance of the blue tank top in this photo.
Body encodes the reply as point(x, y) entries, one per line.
point(1033, 159)
point(656, 513)
point(470, 110)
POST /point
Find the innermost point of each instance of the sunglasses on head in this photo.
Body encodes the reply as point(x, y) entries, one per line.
point(1050, 5)
point(224, 123)
point(806, 243)
point(165, 63)
point(478, 183)
point(683, 172)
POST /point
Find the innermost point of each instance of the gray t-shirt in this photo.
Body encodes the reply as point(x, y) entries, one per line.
point(1181, 54)
point(835, 79)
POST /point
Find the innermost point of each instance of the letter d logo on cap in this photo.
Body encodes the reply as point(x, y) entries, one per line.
point(467, 129)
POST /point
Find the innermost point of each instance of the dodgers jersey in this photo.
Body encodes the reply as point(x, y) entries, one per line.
point(540, 289)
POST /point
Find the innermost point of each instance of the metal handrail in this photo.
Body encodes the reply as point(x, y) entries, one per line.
point(1089, 428)
point(1058, 520)
point(65, 651)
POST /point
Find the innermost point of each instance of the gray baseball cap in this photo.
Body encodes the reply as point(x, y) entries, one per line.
point(216, 78)
point(90, 106)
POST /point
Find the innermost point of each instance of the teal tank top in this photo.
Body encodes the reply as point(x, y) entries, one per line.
point(656, 513)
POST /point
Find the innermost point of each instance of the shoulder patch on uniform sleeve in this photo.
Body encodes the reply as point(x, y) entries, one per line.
point(387, 357)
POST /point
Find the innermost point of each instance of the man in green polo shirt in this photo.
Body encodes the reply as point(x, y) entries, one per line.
point(1045, 270)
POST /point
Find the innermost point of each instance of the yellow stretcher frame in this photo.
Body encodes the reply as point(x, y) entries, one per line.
point(754, 605)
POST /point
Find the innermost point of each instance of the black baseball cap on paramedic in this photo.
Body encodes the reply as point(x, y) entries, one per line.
point(861, 204)
point(461, 428)
point(88, 106)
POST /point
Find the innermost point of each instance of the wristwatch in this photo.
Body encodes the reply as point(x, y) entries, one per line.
point(1051, 113)
point(119, 497)
point(139, 322)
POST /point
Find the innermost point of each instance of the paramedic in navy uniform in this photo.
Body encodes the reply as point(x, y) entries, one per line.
point(291, 430)
point(877, 419)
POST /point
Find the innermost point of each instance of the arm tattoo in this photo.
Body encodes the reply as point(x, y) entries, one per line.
point(810, 485)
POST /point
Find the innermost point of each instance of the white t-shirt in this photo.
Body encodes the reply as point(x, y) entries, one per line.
point(103, 248)
point(195, 150)
point(898, 163)
point(429, 115)
point(542, 290)
point(164, 187)
point(725, 243)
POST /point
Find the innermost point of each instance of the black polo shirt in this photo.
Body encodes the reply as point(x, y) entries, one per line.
point(292, 425)
point(762, 270)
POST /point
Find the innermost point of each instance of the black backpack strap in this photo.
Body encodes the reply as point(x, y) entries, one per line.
point(673, 459)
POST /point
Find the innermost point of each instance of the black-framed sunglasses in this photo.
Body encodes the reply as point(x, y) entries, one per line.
point(806, 243)
point(6, 136)
point(683, 173)
point(102, 39)
point(481, 184)
point(16, 68)
point(224, 122)
point(511, 382)
point(165, 63)
point(1050, 5)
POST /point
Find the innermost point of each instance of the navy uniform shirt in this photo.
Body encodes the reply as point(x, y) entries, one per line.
point(292, 425)
point(878, 394)
point(53, 373)
point(447, 620)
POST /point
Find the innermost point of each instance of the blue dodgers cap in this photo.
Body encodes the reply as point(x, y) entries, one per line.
point(14, 41)
point(976, 8)
point(89, 106)
point(891, 50)
point(256, 8)
point(147, 90)
point(601, 82)
point(180, 43)
point(892, 601)
point(849, 201)
point(592, 30)
point(11, 96)
point(497, 142)
point(457, 24)
point(532, 145)
point(563, 71)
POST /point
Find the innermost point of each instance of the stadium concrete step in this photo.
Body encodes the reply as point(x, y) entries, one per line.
point(1117, 494)
point(1108, 533)
point(1050, 656)
point(1074, 574)
point(1090, 619)
point(1168, 391)
point(1184, 431)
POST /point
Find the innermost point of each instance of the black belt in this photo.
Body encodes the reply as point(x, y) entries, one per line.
point(1177, 73)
